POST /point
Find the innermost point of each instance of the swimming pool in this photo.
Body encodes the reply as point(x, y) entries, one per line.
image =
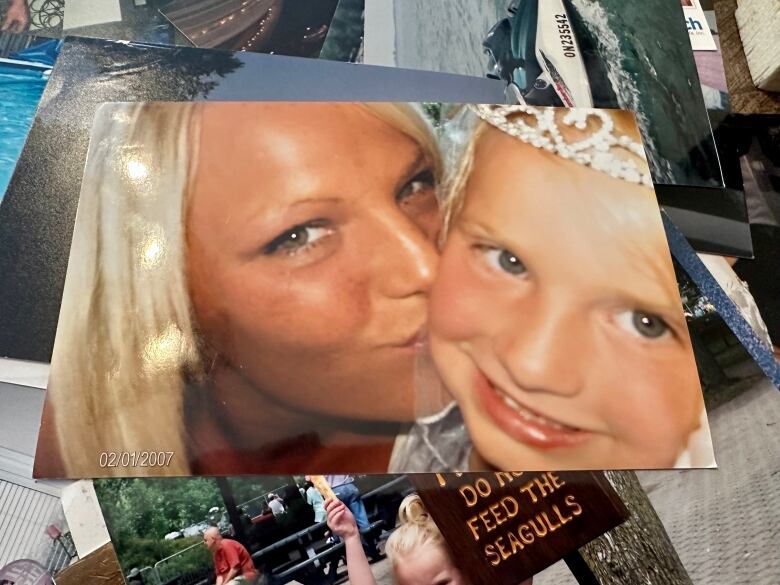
point(21, 86)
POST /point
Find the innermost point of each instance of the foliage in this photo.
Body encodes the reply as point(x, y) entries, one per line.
point(138, 510)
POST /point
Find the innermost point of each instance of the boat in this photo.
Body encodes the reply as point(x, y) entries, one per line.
point(535, 50)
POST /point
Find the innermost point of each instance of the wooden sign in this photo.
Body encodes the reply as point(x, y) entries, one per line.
point(100, 566)
point(505, 527)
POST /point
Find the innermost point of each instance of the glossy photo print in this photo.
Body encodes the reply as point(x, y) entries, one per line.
point(283, 524)
point(254, 287)
point(275, 26)
point(25, 65)
point(554, 317)
point(264, 26)
point(371, 529)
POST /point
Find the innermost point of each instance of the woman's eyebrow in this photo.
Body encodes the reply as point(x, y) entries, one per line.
point(309, 200)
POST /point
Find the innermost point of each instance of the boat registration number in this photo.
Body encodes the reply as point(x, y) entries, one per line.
point(565, 35)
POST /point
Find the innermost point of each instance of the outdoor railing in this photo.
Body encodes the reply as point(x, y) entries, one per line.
point(192, 558)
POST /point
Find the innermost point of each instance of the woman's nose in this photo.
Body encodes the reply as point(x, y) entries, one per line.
point(542, 346)
point(407, 257)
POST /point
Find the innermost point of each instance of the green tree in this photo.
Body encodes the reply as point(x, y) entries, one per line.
point(147, 509)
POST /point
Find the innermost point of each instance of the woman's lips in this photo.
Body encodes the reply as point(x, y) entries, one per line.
point(522, 423)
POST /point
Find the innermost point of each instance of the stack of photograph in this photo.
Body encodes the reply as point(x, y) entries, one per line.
point(370, 292)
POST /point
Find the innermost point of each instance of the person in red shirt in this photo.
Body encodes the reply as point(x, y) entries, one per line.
point(232, 562)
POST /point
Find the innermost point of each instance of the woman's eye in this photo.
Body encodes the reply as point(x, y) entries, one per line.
point(504, 260)
point(642, 324)
point(297, 238)
point(422, 182)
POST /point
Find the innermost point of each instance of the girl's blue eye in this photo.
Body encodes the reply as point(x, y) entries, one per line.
point(504, 260)
point(643, 324)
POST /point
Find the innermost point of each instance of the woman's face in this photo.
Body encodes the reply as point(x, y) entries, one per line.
point(310, 234)
point(428, 566)
point(559, 333)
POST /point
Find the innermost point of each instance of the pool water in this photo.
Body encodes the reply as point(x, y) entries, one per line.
point(20, 91)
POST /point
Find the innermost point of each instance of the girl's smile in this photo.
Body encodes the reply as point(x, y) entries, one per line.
point(523, 423)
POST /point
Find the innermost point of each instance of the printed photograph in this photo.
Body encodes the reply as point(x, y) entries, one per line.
point(399, 530)
point(698, 28)
point(121, 20)
point(270, 529)
point(296, 28)
point(39, 208)
point(360, 530)
point(38, 17)
point(572, 53)
point(248, 307)
point(709, 62)
point(283, 27)
point(25, 65)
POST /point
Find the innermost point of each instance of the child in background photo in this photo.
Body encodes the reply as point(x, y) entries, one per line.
point(555, 319)
point(416, 548)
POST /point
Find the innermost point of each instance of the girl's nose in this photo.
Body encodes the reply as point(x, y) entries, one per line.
point(543, 346)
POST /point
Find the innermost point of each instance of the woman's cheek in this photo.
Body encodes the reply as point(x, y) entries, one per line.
point(298, 308)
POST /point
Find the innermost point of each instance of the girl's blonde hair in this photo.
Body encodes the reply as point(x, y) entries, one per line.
point(416, 530)
point(126, 342)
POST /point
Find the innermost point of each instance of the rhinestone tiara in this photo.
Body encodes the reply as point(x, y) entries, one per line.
point(595, 151)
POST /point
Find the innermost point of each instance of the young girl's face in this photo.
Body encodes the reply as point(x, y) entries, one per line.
point(556, 321)
point(428, 566)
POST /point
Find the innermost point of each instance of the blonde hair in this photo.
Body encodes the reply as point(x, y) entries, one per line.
point(126, 340)
point(410, 120)
point(416, 530)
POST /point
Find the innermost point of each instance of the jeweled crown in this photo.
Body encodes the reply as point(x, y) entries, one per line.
point(595, 151)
